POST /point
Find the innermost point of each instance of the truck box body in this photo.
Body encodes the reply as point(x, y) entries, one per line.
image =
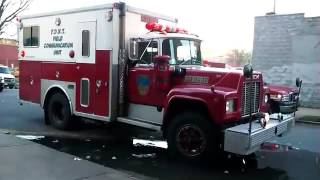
point(48, 61)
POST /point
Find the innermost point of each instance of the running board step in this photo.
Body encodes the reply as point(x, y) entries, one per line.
point(140, 123)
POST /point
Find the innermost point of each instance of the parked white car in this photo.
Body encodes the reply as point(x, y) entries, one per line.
point(6, 78)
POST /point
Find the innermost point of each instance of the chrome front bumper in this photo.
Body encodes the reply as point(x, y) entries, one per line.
point(238, 140)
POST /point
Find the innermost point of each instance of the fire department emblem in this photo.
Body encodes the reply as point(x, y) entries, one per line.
point(143, 85)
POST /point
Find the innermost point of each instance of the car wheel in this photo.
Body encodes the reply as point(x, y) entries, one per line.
point(1, 89)
point(191, 137)
point(58, 112)
point(11, 87)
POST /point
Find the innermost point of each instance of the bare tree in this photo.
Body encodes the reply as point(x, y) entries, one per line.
point(9, 9)
point(238, 57)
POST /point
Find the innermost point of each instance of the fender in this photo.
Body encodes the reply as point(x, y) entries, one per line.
point(200, 95)
point(56, 87)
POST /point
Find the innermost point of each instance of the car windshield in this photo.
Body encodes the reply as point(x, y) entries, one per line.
point(182, 51)
point(4, 70)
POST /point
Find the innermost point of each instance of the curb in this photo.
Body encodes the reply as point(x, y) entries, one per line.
point(307, 122)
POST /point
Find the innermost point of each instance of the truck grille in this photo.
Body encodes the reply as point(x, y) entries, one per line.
point(245, 106)
point(8, 80)
point(293, 97)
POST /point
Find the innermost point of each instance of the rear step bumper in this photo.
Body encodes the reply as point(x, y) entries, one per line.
point(237, 139)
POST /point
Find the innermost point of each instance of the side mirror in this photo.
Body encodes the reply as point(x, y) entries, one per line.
point(134, 49)
point(298, 82)
point(247, 70)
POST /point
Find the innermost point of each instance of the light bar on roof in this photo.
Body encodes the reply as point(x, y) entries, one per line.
point(153, 26)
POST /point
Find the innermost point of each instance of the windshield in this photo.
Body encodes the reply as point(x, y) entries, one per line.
point(182, 51)
point(4, 70)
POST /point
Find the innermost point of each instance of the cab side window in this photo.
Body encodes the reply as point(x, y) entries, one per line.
point(147, 50)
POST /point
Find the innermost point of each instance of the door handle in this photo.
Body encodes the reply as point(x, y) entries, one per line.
point(98, 83)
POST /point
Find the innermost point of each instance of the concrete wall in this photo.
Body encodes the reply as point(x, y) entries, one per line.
point(286, 47)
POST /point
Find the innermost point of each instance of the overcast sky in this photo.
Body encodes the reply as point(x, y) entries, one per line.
point(222, 24)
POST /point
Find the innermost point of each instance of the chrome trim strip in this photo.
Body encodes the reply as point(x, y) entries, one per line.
point(85, 79)
point(93, 116)
point(139, 123)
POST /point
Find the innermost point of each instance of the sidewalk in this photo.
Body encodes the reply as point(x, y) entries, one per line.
point(307, 112)
point(23, 159)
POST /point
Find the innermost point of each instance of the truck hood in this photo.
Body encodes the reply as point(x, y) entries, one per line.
point(227, 79)
point(6, 75)
point(278, 89)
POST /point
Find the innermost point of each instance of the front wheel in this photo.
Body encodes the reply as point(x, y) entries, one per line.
point(1, 89)
point(191, 137)
point(58, 111)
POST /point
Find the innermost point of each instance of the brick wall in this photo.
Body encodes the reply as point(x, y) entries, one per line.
point(8, 55)
point(286, 47)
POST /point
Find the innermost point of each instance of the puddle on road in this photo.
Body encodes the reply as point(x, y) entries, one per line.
point(149, 157)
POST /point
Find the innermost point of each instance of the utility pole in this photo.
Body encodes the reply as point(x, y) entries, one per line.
point(274, 6)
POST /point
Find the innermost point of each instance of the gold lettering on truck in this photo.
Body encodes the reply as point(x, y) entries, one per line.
point(196, 79)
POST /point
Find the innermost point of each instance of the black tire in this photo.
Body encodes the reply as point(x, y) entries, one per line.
point(1, 89)
point(11, 87)
point(187, 127)
point(58, 112)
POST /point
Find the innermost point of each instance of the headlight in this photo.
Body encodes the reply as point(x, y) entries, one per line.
point(285, 98)
point(266, 98)
point(276, 97)
point(230, 106)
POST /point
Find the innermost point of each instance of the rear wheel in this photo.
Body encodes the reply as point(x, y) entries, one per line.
point(190, 136)
point(58, 111)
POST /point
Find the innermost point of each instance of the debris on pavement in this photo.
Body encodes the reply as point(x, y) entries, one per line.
point(88, 157)
point(77, 159)
point(142, 142)
point(152, 155)
point(55, 141)
point(29, 137)
point(114, 158)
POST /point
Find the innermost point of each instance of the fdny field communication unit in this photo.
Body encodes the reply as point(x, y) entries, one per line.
point(117, 63)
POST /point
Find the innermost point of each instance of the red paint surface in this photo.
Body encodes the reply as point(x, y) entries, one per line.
point(69, 72)
point(101, 101)
point(30, 71)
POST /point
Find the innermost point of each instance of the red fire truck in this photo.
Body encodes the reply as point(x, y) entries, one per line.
point(117, 63)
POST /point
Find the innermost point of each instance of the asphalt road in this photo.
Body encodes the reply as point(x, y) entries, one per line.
point(299, 160)
point(29, 119)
